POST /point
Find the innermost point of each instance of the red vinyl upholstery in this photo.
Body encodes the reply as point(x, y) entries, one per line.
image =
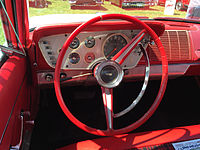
point(137, 140)
point(13, 98)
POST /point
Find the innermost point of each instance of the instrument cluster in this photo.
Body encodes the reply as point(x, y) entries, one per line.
point(90, 48)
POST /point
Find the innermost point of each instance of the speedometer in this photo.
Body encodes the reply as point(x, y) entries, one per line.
point(113, 44)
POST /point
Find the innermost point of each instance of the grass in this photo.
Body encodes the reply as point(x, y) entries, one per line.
point(2, 39)
point(63, 7)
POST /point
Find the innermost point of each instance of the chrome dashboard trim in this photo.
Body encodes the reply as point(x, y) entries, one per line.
point(174, 70)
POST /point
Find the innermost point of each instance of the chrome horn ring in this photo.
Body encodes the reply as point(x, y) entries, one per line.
point(109, 74)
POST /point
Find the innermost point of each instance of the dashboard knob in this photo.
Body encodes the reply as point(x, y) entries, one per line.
point(63, 75)
point(49, 77)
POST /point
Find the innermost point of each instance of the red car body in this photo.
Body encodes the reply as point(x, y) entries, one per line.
point(180, 4)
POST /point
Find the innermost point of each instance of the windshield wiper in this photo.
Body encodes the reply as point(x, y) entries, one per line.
point(10, 51)
point(177, 20)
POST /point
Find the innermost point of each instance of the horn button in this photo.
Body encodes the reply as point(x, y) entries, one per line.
point(108, 74)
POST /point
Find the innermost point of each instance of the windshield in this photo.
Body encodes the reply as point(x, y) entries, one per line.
point(42, 12)
point(145, 8)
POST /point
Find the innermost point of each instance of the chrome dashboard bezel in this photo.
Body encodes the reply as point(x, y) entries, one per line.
point(57, 41)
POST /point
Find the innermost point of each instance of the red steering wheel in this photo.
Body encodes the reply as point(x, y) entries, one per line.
point(110, 73)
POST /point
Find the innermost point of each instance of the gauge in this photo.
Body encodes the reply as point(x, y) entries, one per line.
point(75, 43)
point(89, 57)
point(74, 58)
point(90, 42)
point(113, 44)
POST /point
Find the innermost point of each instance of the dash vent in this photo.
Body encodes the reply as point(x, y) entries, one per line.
point(176, 45)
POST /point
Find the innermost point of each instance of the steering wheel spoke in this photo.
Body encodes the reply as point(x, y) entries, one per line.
point(125, 52)
point(144, 86)
point(107, 95)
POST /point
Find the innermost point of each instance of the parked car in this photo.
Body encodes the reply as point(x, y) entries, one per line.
point(82, 80)
point(38, 3)
point(85, 2)
point(180, 4)
point(132, 3)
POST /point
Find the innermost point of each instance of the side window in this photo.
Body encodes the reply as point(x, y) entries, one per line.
point(13, 23)
point(2, 38)
point(3, 56)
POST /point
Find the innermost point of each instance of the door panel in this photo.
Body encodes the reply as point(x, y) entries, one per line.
point(13, 98)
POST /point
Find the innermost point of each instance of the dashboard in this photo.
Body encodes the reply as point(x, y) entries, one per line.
point(104, 39)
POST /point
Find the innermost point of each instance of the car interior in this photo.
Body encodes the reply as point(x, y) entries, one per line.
point(104, 81)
